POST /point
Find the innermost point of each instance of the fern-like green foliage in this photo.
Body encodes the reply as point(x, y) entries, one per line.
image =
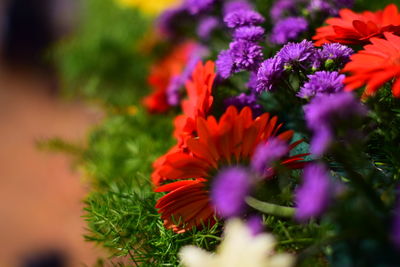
point(120, 209)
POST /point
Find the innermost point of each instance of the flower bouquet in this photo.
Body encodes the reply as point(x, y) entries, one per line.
point(269, 137)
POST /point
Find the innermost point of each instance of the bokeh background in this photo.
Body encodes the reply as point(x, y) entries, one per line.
point(41, 192)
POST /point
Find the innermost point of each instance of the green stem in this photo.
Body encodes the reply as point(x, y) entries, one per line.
point(269, 208)
point(300, 240)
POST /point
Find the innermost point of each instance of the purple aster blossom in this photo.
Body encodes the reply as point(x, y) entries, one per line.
point(232, 6)
point(197, 6)
point(288, 29)
point(229, 190)
point(322, 138)
point(252, 83)
point(244, 100)
point(245, 55)
point(224, 63)
point(268, 74)
point(344, 3)
point(322, 82)
point(293, 54)
point(168, 21)
point(255, 225)
point(395, 235)
point(323, 6)
point(173, 90)
point(329, 7)
point(177, 82)
point(316, 60)
point(336, 52)
point(239, 18)
point(315, 193)
point(206, 26)
point(281, 8)
point(249, 33)
point(266, 154)
point(325, 113)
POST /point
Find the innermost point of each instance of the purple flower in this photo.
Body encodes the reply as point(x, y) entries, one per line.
point(197, 6)
point(173, 90)
point(245, 55)
point(330, 8)
point(396, 225)
point(281, 8)
point(325, 113)
point(322, 82)
point(336, 52)
point(244, 100)
point(332, 55)
point(322, 138)
point(242, 17)
point(269, 73)
point(229, 190)
point(321, 6)
point(315, 194)
point(178, 81)
point(255, 225)
point(344, 3)
point(288, 29)
point(293, 54)
point(265, 155)
point(252, 83)
point(224, 63)
point(236, 5)
point(168, 21)
point(249, 33)
point(206, 26)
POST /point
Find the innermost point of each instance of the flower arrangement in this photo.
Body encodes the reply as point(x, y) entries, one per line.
point(268, 137)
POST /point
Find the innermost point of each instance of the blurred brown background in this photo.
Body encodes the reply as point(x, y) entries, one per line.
point(40, 194)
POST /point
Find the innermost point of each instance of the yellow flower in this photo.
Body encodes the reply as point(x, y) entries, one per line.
point(239, 248)
point(150, 7)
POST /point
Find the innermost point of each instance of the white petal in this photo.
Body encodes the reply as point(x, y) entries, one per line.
point(281, 260)
point(192, 256)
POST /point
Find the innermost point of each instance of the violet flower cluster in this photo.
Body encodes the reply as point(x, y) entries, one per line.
point(291, 18)
point(326, 113)
point(244, 52)
point(171, 19)
point(243, 100)
point(300, 58)
point(195, 7)
point(288, 29)
point(322, 82)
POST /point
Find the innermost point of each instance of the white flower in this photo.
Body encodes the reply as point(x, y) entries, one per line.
point(238, 249)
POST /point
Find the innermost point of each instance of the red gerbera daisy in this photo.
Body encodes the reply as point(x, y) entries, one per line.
point(358, 28)
point(197, 104)
point(162, 73)
point(230, 141)
point(377, 64)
